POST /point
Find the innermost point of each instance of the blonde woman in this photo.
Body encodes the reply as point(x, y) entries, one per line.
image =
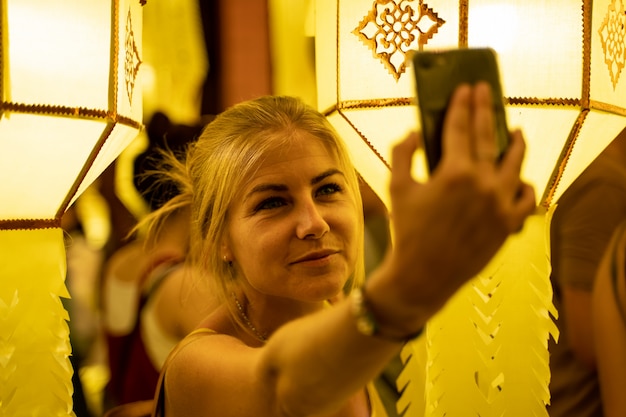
point(278, 224)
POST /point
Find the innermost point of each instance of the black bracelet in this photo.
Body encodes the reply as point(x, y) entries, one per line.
point(366, 323)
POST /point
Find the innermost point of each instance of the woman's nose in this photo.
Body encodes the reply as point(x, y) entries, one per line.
point(311, 222)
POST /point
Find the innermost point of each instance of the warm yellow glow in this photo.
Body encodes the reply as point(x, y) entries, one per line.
point(176, 59)
point(69, 105)
point(551, 137)
point(293, 48)
point(549, 83)
point(39, 175)
point(124, 170)
point(34, 346)
point(529, 39)
point(561, 74)
point(120, 138)
point(502, 367)
point(174, 68)
point(74, 52)
point(502, 20)
point(95, 217)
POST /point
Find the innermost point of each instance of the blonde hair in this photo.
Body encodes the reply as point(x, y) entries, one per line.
point(225, 157)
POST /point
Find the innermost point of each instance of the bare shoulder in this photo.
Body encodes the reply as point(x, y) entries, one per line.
point(203, 350)
point(213, 374)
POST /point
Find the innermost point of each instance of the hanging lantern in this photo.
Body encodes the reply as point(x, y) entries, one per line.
point(562, 66)
point(562, 71)
point(70, 103)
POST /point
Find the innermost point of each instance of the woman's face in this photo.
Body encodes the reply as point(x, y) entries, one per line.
point(293, 231)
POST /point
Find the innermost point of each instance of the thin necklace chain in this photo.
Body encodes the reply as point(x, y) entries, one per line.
point(247, 320)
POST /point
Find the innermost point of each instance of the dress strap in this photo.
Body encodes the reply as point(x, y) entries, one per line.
point(159, 402)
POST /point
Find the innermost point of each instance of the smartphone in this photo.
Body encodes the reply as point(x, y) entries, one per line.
point(437, 74)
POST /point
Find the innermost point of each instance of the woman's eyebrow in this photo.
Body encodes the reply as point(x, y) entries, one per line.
point(261, 188)
point(324, 175)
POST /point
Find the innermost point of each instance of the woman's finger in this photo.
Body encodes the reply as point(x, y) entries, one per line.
point(511, 164)
point(484, 132)
point(402, 157)
point(457, 125)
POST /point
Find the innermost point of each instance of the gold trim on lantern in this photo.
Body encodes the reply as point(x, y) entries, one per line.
point(30, 224)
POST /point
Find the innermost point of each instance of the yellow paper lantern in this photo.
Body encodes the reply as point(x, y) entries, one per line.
point(562, 68)
point(70, 103)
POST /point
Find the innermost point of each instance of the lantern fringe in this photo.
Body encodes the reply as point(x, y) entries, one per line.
point(489, 339)
point(35, 370)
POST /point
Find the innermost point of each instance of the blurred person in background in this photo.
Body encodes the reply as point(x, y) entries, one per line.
point(150, 298)
point(609, 324)
point(581, 227)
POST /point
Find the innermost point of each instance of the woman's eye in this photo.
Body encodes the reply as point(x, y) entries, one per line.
point(329, 189)
point(270, 203)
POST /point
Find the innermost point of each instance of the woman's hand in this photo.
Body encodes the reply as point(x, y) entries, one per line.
point(447, 229)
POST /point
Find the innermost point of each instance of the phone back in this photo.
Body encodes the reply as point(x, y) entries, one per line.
point(437, 74)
